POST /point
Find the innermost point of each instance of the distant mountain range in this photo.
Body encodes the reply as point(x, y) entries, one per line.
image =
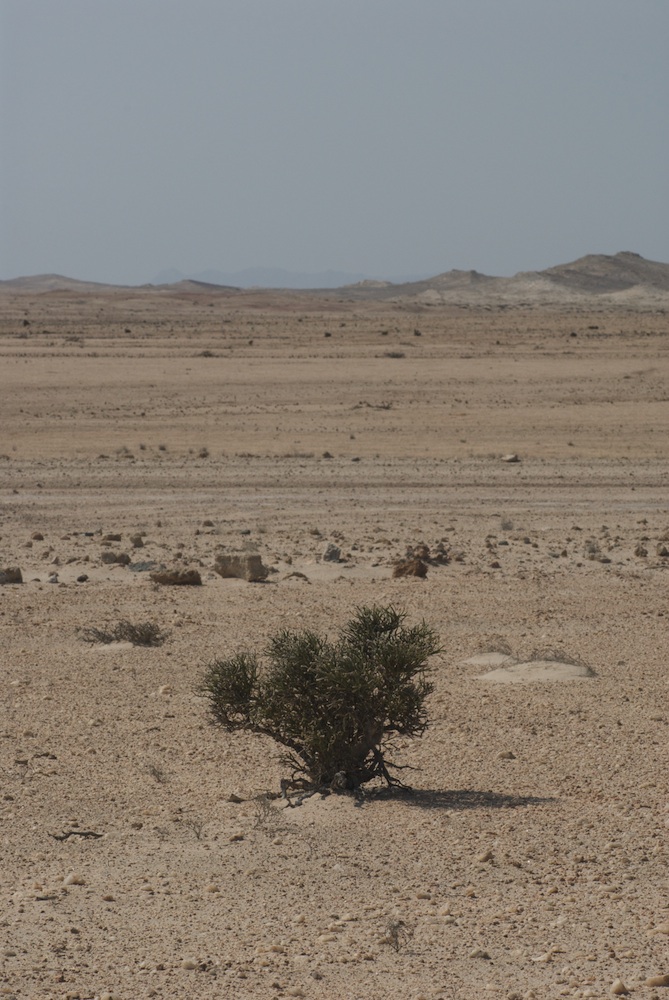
point(272, 277)
point(623, 278)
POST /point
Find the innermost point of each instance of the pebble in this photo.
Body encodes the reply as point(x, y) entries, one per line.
point(189, 963)
point(662, 928)
point(479, 953)
point(485, 857)
point(423, 895)
point(657, 981)
point(295, 991)
point(506, 755)
point(236, 836)
point(73, 879)
point(618, 988)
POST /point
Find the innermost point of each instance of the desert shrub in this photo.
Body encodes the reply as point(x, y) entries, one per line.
point(336, 707)
point(141, 634)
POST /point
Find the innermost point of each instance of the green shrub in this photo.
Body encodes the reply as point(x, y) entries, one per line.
point(335, 706)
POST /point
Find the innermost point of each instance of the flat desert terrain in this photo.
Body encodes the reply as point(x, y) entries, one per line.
point(161, 427)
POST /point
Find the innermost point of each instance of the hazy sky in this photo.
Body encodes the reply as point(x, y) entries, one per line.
point(388, 137)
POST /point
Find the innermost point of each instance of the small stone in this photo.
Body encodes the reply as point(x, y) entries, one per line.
point(423, 895)
point(409, 567)
point(233, 797)
point(73, 879)
point(662, 928)
point(479, 953)
point(331, 553)
point(662, 550)
point(295, 991)
point(234, 837)
point(485, 857)
point(189, 963)
point(618, 988)
point(177, 578)
point(513, 457)
point(11, 574)
point(657, 981)
point(506, 755)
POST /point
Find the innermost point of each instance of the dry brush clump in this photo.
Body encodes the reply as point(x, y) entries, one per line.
point(140, 634)
point(336, 707)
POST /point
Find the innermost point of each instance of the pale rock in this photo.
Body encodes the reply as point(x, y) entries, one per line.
point(657, 981)
point(189, 963)
point(242, 567)
point(618, 988)
point(73, 879)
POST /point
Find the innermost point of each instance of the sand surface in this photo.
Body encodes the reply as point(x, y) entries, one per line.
point(531, 860)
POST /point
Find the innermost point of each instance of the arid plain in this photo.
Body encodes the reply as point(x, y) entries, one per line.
point(140, 857)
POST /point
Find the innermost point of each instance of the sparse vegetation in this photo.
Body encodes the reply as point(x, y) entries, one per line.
point(196, 825)
point(336, 707)
point(158, 774)
point(398, 934)
point(140, 634)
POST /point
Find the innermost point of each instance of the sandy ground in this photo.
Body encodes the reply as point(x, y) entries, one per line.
point(531, 860)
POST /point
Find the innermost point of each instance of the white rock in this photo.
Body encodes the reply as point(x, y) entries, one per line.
point(73, 879)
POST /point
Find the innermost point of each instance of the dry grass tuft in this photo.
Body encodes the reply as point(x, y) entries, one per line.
point(142, 634)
